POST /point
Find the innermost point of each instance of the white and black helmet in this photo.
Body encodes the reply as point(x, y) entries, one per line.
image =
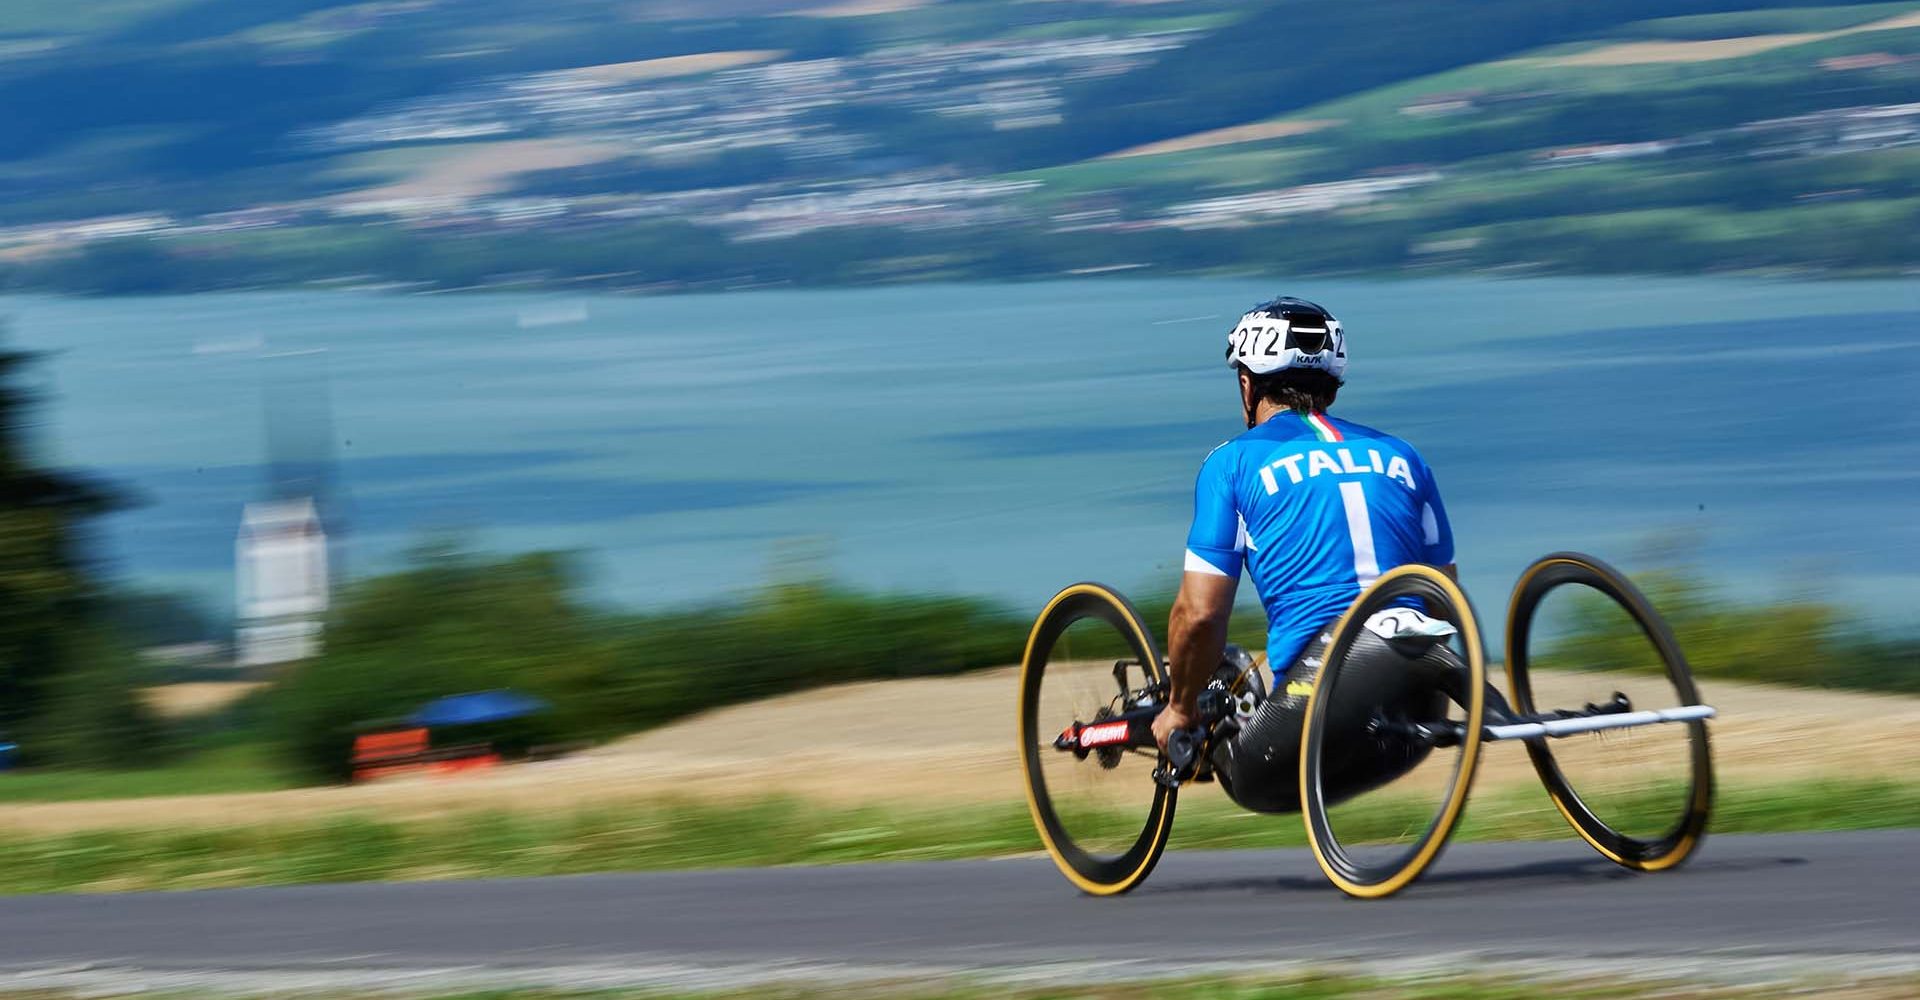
point(1288, 333)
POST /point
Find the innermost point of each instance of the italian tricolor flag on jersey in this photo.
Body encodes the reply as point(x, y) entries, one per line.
point(1322, 426)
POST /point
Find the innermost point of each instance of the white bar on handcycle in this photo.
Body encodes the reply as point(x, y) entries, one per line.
point(1594, 723)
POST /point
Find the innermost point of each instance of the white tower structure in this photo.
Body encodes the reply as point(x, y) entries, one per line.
point(283, 583)
point(288, 548)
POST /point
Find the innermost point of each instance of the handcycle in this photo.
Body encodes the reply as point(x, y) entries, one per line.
point(1386, 755)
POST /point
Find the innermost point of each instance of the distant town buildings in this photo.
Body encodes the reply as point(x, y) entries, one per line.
point(1600, 152)
point(807, 108)
point(1839, 130)
point(915, 204)
point(1865, 61)
point(761, 147)
point(1244, 209)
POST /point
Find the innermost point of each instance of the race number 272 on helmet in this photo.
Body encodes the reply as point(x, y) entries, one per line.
point(1288, 333)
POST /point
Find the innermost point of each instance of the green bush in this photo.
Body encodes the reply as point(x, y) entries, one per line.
point(94, 716)
point(1793, 642)
point(451, 623)
point(797, 635)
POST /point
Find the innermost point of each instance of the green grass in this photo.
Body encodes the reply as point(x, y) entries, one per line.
point(1374, 114)
point(1707, 237)
point(677, 835)
point(1189, 174)
point(1486, 137)
point(243, 768)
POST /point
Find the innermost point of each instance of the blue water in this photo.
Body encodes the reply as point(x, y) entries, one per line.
point(1001, 439)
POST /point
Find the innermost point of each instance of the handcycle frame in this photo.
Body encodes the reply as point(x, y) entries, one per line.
point(1336, 711)
point(1133, 728)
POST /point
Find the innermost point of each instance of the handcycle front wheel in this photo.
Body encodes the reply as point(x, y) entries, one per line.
point(1102, 817)
point(1641, 826)
point(1378, 719)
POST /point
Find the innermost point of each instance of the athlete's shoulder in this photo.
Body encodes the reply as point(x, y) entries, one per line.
point(1256, 438)
point(1222, 460)
point(1226, 462)
point(1354, 431)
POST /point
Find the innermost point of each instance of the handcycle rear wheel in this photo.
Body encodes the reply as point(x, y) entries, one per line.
point(1083, 643)
point(1340, 858)
point(1626, 848)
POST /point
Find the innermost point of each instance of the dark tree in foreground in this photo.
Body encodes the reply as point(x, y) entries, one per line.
point(65, 686)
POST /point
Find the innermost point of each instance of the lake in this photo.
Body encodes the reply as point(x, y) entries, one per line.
point(998, 439)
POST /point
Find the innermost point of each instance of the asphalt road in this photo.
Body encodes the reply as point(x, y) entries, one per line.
point(1755, 897)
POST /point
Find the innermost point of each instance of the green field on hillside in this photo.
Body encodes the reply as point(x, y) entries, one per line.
point(164, 118)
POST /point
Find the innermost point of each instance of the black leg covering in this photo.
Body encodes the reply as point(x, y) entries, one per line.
point(1260, 766)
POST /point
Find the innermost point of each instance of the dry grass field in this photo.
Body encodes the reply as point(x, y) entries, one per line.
point(181, 701)
point(1638, 53)
point(862, 8)
point(478, 169)
point(672, 66)
point(949, 740)
point(1256, 132)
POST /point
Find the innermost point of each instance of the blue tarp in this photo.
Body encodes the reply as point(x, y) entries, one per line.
point(479, 706)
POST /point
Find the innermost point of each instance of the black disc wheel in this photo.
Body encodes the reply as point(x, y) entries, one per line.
point(1581, 637)
point(1393, 733)
point(1102, 817)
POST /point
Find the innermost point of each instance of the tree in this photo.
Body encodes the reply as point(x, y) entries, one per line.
point(148, 617)
point(65, 685)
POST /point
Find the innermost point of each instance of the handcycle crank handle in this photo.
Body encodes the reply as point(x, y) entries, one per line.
point(1184, 747)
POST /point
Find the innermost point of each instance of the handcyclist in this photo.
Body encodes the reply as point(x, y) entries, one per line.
point(1314, 508)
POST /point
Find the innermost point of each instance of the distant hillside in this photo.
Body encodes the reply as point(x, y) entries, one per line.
point(1297, 53)
point(158, 145)
point(220, 85)
point(231, 78)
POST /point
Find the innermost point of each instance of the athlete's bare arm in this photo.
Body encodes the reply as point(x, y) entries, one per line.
point(1196, 639)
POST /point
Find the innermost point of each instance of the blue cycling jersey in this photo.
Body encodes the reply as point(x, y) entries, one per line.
point(1316, 508)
